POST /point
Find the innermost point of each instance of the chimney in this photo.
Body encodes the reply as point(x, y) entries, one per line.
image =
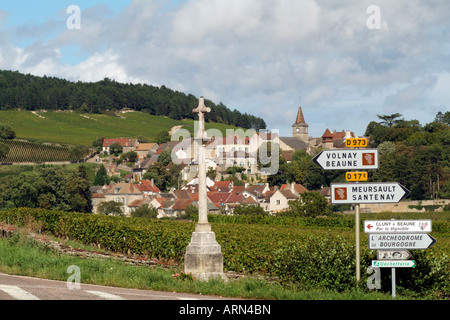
point(153, 183)
point(292, 187)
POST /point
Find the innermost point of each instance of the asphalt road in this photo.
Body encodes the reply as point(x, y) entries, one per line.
point(27, 288)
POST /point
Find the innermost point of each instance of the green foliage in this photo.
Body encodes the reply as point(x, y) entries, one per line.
point(4, 149)
point(249, 210)
point(94, 98)
point(23, 151)
point(47, 187)
point(310, 204)
point(317, 262)
point(306, 257)
point(115, 149)
point(101, 177)
point(145, 211)
point(112, 208)
point(6, 132)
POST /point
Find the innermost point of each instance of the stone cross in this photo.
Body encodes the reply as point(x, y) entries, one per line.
point(201, 139)
point(203, 257)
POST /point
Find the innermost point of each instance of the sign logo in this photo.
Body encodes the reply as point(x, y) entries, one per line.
point(368, 159)
point(340, 193)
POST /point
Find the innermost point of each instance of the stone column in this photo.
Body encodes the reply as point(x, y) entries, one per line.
point(203, 256)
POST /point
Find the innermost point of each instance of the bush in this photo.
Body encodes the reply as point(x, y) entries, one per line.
point(317, 262)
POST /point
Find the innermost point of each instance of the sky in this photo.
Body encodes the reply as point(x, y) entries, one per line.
point(344, 62)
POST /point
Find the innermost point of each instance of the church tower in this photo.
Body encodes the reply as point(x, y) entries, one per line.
point(300, 128)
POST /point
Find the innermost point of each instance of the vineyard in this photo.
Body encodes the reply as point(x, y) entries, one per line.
point(24, 151)
point(321, 254)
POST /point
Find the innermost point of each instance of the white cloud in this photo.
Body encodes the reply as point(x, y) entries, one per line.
point(259, 55)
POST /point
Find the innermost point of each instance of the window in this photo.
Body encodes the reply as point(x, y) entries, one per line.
point(278, 202)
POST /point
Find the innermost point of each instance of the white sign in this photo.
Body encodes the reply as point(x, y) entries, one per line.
point(347, 159)
point(367, 192)
point(390, 241)
point(393, 255)
point(397, 226)
point(393, 264)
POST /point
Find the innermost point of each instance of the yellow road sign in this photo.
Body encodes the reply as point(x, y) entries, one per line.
point(356, 142)
point(356, 176)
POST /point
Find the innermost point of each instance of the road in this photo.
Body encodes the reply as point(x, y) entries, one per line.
point(27, 288)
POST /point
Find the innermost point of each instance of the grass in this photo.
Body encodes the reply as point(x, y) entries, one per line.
point(22, 256)
point(83, 129)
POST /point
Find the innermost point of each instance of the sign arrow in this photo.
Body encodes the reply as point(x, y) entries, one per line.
point(389, 241)
point(347, 159)
point(367, 192)
point(397, 226)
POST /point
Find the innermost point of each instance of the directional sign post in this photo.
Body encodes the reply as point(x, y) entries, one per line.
point(397, 226)
point(367, 192)
point(393, 264)
point(347, 159)
point(389, 241)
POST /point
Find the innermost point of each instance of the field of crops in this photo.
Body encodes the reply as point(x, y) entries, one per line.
point(24, 151)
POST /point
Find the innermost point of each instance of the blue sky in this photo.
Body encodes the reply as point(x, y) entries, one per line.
point(258, 56)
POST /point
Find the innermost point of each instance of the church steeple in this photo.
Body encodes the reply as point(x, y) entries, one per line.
point(300, 127)
point(300, 118)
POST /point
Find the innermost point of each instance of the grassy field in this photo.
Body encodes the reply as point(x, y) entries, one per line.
point(82, 129)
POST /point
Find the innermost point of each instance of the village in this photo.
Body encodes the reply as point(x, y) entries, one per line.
point(223, 194)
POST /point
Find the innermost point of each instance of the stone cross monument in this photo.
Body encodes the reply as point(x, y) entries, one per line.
point(203, 257)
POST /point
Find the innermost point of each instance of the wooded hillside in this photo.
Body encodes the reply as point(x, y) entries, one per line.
point(32, 93)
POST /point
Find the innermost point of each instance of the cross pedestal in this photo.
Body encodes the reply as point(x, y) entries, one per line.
point(203, 257)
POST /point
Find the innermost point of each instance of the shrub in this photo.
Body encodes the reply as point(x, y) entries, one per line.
point(327, 261)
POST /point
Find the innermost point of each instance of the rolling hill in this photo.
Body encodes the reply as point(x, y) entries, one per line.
point(74, 128)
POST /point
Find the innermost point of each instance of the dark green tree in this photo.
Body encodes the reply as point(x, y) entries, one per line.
point(101, 177)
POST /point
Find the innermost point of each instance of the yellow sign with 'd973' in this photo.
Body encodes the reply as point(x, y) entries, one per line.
point(356, 142)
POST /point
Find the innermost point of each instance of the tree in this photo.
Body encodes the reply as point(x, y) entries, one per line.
point(310, 204)
point(145, 211)
point(162, 136)
point(77, 186)
point(6, 132)
point(389, 120)
point(112, 208)
point(101, 177)
point(4, 149)
point(115, 149)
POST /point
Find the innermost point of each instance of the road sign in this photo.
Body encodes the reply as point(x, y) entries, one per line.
point(367, 192)
point(397, 226)
point(393, 264)
point(393, 255)
point(356, 176)
point(389, 241)
point(356, 142)
point(347, 159)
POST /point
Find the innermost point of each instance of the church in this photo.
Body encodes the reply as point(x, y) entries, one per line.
point(301, 140)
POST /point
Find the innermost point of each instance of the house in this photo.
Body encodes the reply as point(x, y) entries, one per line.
point(127, 144)
point(148, 188)
point(334, 140)
point(279, 201)
point(295, 188)
point(144, 149)
point(125, 194)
